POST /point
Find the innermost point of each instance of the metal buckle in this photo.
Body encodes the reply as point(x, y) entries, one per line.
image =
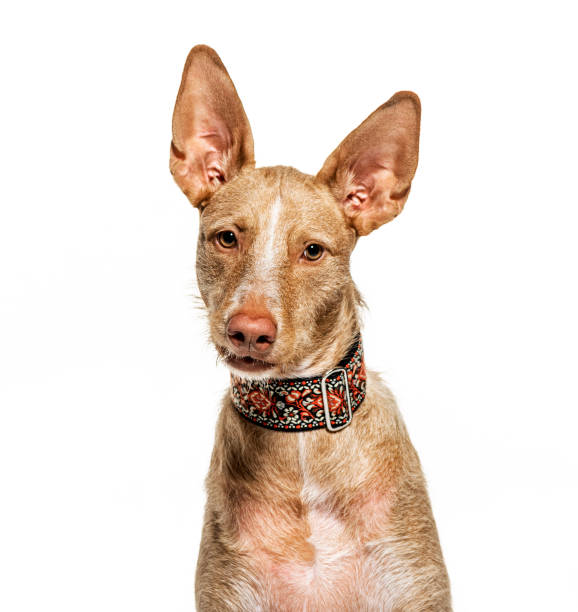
point(328, 424)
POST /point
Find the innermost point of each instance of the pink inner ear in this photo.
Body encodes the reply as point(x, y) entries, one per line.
point(205, 157)
point(217, 143)
point(207, 150)
point(215, 176)
point(366, 181)
point(356, 199)
point(371, 199)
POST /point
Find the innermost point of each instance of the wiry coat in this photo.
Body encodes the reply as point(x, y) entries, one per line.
point(309, 521)
point(317, 521)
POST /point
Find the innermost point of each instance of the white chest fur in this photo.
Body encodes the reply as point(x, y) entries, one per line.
point(312, 558)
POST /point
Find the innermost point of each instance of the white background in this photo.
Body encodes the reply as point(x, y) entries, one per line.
point(109, 390)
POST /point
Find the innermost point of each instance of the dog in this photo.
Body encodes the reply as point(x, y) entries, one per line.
point(315, 495)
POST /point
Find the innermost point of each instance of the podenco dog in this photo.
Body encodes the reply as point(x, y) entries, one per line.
point(315, 495)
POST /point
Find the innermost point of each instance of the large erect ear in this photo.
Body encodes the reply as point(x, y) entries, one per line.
point(212, 137)
point(370, 172)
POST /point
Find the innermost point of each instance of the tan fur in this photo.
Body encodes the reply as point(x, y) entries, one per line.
point(313, 520)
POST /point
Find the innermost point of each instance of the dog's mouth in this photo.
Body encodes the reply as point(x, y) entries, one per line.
point(246, 363)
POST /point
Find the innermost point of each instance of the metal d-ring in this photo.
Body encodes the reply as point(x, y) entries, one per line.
point(328, 424)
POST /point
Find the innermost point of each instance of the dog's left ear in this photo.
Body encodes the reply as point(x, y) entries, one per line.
point(212, 139)
point(370, 172)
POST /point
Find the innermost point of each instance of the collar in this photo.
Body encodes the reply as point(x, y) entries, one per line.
point(327, 401)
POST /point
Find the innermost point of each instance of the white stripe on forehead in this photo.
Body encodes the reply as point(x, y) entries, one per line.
point(269, 243)
point(268, 251)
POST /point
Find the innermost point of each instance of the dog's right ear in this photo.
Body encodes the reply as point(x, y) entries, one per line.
point(212, 138)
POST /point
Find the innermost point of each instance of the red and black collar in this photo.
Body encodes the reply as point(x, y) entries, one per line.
point(300, 404)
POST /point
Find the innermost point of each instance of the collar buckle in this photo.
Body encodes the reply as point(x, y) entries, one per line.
point(332, 428)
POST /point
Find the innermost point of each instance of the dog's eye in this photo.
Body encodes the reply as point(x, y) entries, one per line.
point(227, 239)
point(313, 252)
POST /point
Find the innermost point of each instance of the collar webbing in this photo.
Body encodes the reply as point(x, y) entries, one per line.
point(327, 401)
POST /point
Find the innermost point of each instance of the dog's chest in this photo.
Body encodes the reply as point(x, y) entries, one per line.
point(308, 551)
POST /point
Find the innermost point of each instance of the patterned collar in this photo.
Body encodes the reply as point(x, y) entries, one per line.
point(305, 403)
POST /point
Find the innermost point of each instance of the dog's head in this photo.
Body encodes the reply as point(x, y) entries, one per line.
point(274, 244)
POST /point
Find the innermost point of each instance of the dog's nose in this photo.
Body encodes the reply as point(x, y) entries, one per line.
point(257, 333)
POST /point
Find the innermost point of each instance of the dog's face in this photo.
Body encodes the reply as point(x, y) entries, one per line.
point(273, 247)
point(274, 244)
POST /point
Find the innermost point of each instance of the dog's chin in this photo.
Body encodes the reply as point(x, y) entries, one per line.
point(249, 368)
point(245, 366)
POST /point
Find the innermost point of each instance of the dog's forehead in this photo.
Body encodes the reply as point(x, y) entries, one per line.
point(293, 198)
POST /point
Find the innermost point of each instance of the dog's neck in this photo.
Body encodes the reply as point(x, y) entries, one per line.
point(325, 401)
